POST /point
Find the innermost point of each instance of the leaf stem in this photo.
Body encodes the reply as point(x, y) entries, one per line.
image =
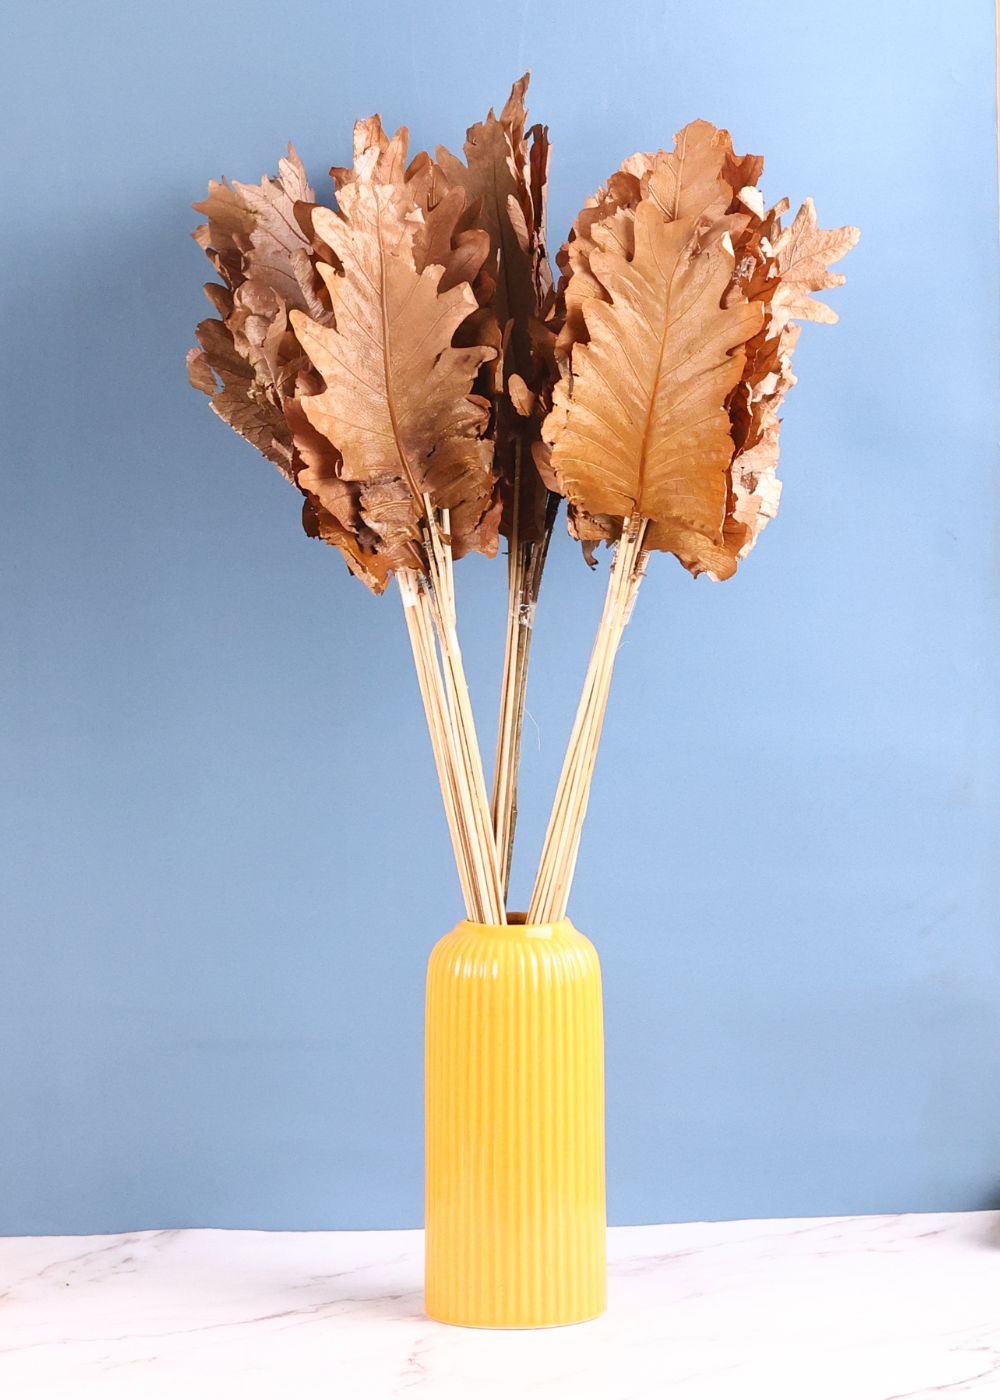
point(562, 838)
point(525, 562)
point(470, 784)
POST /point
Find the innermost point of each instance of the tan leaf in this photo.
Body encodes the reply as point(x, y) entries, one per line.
point(279, 253)
point(438, 225)
point(687, 182)
point(378, 159)
point(319, 469)
point(441, 236)
point(642, 428)
point(226, 236)
point(803, 252)
point(371, 568)
point(753, 199)
point(521, 396)
point(396, 400)
point(606, 223)
point(250, 363)
point(219, 370)
point(200, 374)
point(252, 232)
point(755, 490)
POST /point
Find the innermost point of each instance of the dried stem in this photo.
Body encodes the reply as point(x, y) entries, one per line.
point(562, 838)
point(525, 562)
point(417, 611)
point(470, 784)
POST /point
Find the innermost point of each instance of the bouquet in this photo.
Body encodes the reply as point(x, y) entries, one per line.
point(410, 364)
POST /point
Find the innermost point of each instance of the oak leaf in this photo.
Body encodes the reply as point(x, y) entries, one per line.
point(250, 363)
point(218, 369)
point(505, 178)
point(642, 430)
point(803, 253)
point(252, 231)
point(396, 401)
point(256, 245)
point(367, 565)
point(507, 186)
point(771, 269)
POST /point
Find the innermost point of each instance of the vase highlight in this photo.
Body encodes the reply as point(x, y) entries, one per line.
point(515, 1198)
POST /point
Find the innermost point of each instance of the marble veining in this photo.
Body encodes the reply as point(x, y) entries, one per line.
point(847, 1308)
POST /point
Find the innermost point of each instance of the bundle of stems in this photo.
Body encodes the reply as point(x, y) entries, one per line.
point(562, 839)
point(429, 608)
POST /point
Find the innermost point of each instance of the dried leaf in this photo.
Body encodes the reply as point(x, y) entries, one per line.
point(495, 176)
point(442, 235)
point(252, 232)
point(438, 226)
point(779, 269)
point(687, 182)
point(371, 568)
point(251, 364)
point(803, 253)
point(225, 238)
point(396, 400)
point(521, 396)
point(642, 429)
point(505, 180)
point(280, 254)
point(219, 370)
point(704, 177)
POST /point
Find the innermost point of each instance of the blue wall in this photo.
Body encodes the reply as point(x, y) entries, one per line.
point(222, 854)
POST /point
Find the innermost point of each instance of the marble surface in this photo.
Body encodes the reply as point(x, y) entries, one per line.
point(847, 1308)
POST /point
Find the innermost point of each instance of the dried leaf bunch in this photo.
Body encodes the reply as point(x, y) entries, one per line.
point(674, 341)
point(406, 361)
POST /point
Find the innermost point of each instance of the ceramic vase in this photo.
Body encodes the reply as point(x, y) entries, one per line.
point(515, 1201)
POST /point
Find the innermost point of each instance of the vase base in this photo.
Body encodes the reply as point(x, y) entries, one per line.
point(513, 1326)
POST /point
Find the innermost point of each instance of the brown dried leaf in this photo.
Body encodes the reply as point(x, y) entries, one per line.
point(779, 269)
point(765, 261)
point(251, 364)
point(687, 182)
point(225, 238)
point(219, 370)
point(371, 568)
point(642, 428)
point(252, 233)
point(521, 396)
point(280, 254)
point(803, 252)
point(505, 182)
point(496, 178)
point(377, 159)
point(438, 226)
point(397, 401)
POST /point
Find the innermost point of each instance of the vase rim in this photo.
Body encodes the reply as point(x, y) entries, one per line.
point(517, 922)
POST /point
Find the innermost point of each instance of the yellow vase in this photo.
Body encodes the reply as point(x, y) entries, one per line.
point(515, 1210)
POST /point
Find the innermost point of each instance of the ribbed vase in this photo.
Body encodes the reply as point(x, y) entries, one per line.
point(515, 1208)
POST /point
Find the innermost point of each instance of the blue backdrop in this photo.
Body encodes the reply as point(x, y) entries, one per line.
point(222, 852)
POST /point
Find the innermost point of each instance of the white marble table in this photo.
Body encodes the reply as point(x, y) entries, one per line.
point(848, 1308)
